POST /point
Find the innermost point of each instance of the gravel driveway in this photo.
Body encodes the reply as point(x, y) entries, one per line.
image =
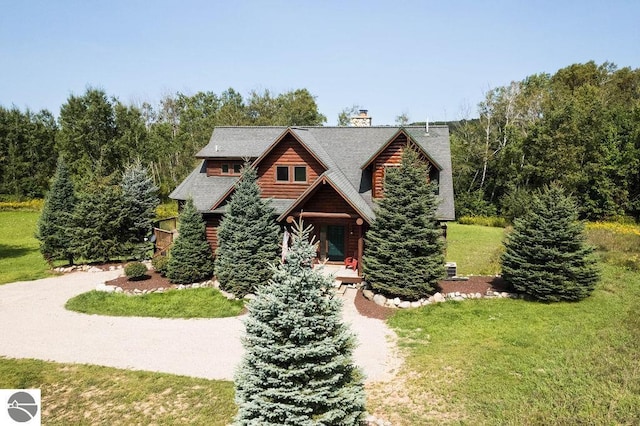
point(35, 324)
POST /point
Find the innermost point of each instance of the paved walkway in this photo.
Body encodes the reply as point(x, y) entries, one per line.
point(35, 324)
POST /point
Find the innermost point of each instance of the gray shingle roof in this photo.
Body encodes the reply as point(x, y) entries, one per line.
point(343, 149)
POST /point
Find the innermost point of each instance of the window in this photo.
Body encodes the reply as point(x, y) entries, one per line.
point(294, 174)
point(282, 173)
point(230, 169)
point(300, 174)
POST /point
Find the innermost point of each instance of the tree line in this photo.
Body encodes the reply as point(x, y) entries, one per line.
point(579, 128)
point(100, 136)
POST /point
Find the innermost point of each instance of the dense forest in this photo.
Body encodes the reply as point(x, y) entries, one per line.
point(579, 127)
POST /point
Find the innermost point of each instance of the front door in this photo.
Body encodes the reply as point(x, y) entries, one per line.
point(335, 242)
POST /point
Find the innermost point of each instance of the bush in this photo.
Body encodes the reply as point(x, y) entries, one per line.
point(473, 204)
point(160, 264)
point(135, 271)
point(31, 205)
point(491, 221)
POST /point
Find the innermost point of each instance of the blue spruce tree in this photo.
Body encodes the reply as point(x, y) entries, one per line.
point(298, 367)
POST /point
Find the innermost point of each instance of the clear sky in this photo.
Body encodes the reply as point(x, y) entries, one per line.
point(423, 58)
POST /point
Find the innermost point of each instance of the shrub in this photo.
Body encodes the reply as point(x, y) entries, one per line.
point(160, 264)
point(31, 205)
point(491, 221)
point(135, 271)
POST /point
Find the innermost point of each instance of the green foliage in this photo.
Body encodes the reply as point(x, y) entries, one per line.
point(192, 303)
point(100, 223)
point(247, 239)
point(34, 205)
point(135, 271)
point(20, 258)
point(298, 367)
point(579, 127)
point(160, 264)
point(404, 249)
point(191, 258)
point(140, 199)
point(56, 224)
point(493, 221)
point(26, 150)
point(469, 204)
point(545, 255)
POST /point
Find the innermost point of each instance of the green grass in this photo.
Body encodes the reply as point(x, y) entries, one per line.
point(194, 303)
point(476, 249)
point(81, 394)
point(20, 258)
point(516, 362)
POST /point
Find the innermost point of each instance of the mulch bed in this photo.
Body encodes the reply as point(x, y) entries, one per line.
point(366, 307)
point(154, 281)
point(475, 284)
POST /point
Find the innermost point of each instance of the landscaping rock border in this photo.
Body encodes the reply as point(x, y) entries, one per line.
point(438, 297)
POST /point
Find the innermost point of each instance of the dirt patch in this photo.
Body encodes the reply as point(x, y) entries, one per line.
point(369, 309)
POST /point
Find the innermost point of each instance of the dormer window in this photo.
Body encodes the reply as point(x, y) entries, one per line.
point(230, 168)
point(291, 174)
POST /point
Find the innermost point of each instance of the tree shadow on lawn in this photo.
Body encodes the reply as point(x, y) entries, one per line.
point(7, 251)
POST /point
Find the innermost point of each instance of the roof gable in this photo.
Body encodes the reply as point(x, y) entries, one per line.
point(411, 141)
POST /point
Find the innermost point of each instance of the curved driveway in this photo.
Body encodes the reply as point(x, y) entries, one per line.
point(35, 324)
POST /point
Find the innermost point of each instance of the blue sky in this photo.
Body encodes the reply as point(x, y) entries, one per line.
point(422, 58)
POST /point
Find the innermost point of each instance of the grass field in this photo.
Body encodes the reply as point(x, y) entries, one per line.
point(75, 394)
point(476, 249)
point(20, 259)
point(194, 303)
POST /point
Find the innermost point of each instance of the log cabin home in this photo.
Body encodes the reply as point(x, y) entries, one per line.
point(329, 176)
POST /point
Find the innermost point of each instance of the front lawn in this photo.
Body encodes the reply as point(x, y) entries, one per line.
point(75, 394)
point(20, 258)
point(517, 362)
point(193, 303)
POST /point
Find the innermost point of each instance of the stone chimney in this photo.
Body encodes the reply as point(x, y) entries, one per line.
point(362, 119)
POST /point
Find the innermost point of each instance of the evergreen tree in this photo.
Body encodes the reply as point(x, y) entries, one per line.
point(247, 239)
point(100, 223)
point(545, 255)
point(404, 254)
point(140, 201)
point(298, 367)
point(55, 224)
point(191, 259)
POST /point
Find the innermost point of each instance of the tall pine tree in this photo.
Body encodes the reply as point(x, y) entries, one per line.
point(298, 367)
point(55, 224)
point(190, 257)
point(247, 239)
point(140, 198)
point(404, 253)
point(100, 222)
point(546, 256)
